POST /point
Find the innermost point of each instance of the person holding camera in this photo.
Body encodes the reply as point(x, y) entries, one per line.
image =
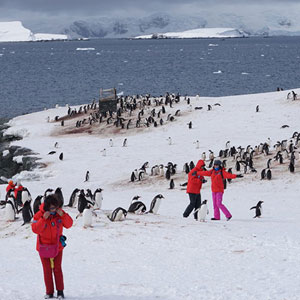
point(218, 174)
point(193, 188)
point(48, 224)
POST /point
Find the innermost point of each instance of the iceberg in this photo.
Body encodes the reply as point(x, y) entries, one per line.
point(16, 32)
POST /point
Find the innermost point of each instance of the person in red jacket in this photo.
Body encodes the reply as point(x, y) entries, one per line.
point(11, 186)
point(218, 174)
point(48, 222)
point(193, 188)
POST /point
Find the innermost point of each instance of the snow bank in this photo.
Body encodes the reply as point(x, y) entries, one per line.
point(16, 32)
point(198, 33)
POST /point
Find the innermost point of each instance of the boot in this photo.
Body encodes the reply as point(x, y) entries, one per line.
point(60, 295)
point(48, 296)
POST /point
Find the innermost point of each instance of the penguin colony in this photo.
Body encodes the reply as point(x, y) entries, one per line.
point(83, 200)
point(132, 112)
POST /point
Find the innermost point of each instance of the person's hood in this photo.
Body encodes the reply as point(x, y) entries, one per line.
point(200, 164)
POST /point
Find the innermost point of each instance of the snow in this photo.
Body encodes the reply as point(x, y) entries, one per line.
point(164, 256)
point(16, 32)
point(198, 33)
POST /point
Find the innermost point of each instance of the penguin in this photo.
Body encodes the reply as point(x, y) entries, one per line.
point(258, 209)
point(209, 107)
point(263, 174)
point(269, 163)
point(186, 168)
point(36, 204)
point(132, 177)
point(10, 212)
point(168, 174)
point(137, 207)
point(60, 197)
point(118, 214)
point(87, 216)
point(269, 174)
point(211, 155)
point(197, 144)
point(82, 203)
point(87, 176)
point(27, 213)
point(111, 143)
point(125, 143)
point(237, 166)
point(48, 192)
point(73, 197)
point(56, 145)
point(203, 156)
point(61, 156)
point(292, 167)
point(98, 198)
point(257, 108)
point(169, 139)
point(25, 196)
point(191, 165)
point(103, 152)
point(201, 212)
point(172, 184)
point(141, 175)
point(155, 204)
point(161, 170)
point(190, 124)
point(51, 152)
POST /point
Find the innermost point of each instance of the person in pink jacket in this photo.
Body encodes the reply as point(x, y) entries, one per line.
point(218, 174)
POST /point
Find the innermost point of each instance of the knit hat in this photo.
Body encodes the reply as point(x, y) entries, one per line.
point(217, 163)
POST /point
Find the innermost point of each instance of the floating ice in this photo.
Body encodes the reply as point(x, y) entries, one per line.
point(85, 49)
point(213, 45)
point(218, 72)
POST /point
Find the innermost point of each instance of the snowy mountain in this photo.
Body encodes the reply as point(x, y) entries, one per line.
point(16, 32)
point(197, 33)
point(264, 23)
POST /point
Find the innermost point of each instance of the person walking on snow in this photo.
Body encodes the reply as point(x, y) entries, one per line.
point(218, 174)
point(193, 188)
point(48, 224)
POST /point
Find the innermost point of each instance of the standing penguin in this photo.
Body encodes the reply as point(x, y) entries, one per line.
point(125, 143)
point(61, 156)
point(27, 213)
point(258, 209)
point(269, 174)
point(36, 204)
point(82, 203)
point(172, 184)
point(201, 212)
point(118, 214)
point(169, 139)
point(98, 198)
point(87, 216)
point(190, 124)
point(73, 197)
point(132, 177)
point(155, 204)
point(25, 196)
point(257, 108)
point(87, 176)
point(10, 212)
point(60, 197)
point(111, 143)
point(103, 152)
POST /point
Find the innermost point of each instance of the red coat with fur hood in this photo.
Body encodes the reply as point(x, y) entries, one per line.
point(46, 229)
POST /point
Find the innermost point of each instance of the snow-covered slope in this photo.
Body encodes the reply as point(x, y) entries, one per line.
point(16, 32)
point(164, 256)
point(198, 33)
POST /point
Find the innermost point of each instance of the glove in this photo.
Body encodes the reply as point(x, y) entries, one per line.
point(239, 176)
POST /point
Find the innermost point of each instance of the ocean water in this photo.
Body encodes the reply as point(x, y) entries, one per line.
point(34, 76)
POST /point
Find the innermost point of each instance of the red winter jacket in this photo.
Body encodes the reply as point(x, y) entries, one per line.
point(19, 188)
point(10, 186)
point(195, 182)
point(47, 229)
point(216, 178)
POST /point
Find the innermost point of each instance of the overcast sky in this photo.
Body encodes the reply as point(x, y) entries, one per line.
point(17, 9)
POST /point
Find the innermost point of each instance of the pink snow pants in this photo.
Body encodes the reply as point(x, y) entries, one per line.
point(217, 202)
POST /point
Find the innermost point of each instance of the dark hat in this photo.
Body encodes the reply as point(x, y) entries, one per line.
point(217, 163)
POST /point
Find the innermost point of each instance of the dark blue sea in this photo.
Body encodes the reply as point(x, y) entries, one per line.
point(38, 75)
